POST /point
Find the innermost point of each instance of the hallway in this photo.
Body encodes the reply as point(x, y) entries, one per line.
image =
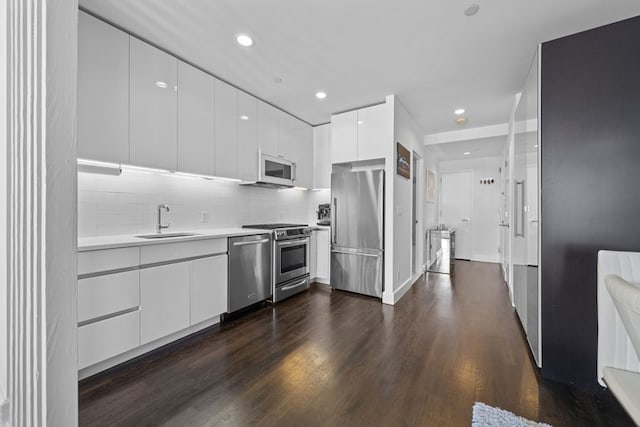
point(330, 358)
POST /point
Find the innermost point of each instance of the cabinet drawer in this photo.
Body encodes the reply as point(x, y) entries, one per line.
point(102, 340)
point(172, 251)
point(107, 259)
point(102, 295)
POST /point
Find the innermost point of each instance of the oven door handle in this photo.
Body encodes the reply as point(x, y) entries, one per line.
point(253, 242)
point(295, 285)
point(293, 243)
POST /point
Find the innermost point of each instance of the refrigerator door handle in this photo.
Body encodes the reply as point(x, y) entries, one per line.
point(334, 223)
point(337, 251)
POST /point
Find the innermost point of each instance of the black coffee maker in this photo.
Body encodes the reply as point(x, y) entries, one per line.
point(324, 214)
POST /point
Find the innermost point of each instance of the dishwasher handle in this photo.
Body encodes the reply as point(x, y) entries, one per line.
point(253, 242)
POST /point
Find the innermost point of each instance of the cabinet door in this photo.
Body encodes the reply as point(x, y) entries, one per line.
point(322, 156)
point(247, 137)
point(195, 120)
point(164, 300)
point(323, 255)
point(208, 288)
point(103, 91)
point(226, 123)
point(303, 154)
point(107, 338)
point(344, 137)
point(287, 136)
point(267, 128)
point(313, 255)
point(375, 132)
point(153, 107)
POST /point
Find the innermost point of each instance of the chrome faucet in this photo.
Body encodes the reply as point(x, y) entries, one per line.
point(159, 226)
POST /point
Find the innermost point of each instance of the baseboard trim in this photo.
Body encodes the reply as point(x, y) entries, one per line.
point(486, 258)
point(320, 280)
point(391, 298)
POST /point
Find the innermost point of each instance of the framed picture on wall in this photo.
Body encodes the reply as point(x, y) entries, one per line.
point(404, 161)
point(430, 189)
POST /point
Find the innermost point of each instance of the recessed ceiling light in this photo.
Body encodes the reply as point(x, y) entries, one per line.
point(467, 153)
point(162, 85)
point(243, 117)
point(461, 120)
point(244, 40)
point(535, 146)
point(459, 111)
point(321, 95)
point(472, 9)
point(360, 122)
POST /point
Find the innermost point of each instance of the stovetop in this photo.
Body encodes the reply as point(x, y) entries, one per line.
point(274, 226)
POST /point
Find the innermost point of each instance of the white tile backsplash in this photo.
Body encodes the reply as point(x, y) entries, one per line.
point(127, 204)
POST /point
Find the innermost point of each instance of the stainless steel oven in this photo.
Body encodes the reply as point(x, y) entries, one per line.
point(290, 266)
point(291, 259)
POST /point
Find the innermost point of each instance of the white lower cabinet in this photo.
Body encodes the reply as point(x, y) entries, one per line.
point(104, 295)
point(107, 338)
point(208, 288)
point(164, 300)
point(323, 257)
point(122, 311)
point(320, 256)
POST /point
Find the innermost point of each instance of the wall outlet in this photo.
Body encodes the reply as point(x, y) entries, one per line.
point(204, 216)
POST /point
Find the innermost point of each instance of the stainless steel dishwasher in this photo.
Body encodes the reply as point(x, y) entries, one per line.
point(249, 270)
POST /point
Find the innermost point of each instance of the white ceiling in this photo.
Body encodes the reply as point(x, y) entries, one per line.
point(425, 51)
point(482, 147)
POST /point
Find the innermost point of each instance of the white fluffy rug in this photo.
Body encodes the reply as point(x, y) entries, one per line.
point(488, 416)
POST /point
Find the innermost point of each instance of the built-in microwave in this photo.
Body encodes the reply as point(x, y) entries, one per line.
point(276, 170)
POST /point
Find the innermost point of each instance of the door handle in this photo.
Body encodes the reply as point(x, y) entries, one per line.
point(533, 220)
point(503, 225)
point(335, 251)
point(253, 242)
point(293, 243)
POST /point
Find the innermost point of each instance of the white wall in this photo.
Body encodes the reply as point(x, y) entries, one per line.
point(408, 133)
point(3, 209)
point(431, 210)
point(126, 204)
point(485, 213)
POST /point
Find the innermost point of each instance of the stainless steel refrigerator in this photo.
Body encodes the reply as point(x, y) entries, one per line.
point(357, 232)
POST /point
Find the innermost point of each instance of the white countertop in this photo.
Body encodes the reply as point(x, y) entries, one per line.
point(126, 240)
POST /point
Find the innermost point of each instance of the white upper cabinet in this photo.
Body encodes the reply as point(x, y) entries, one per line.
point(286, 136)
point(103, 91)
point(362, 134)
point(267, 128)
point(322, 156)
point(344, 137)
point(247, 137)
point(153, 107)
point(303, 154)
point(375, 132)
point(226, 128)
point(195, 120)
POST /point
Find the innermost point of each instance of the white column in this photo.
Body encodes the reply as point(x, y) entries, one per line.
point(41, 242)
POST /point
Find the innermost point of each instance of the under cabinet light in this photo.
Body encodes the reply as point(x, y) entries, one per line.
point(97, 167)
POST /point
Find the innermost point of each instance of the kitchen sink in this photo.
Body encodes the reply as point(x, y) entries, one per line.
point(165, 235)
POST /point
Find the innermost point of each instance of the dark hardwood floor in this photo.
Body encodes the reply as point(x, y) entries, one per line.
point(335, 359)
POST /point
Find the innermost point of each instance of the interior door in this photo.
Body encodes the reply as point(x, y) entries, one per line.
point(456, 209)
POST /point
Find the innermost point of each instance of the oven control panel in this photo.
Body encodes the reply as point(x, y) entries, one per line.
point(292, 233)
